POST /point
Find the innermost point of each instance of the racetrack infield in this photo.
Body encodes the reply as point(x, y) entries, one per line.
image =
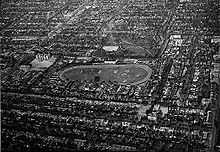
point(126, 74)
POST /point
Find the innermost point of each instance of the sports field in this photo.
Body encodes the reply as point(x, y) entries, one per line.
point(123, 74)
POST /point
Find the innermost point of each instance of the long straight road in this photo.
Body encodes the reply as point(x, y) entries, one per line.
point(68, 18)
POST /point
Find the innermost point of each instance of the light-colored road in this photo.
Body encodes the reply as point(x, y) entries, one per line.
point(60, 27)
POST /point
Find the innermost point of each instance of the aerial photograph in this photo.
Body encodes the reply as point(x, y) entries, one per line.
point(110, 75)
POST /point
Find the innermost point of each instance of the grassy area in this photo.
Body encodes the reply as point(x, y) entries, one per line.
point(123, 74)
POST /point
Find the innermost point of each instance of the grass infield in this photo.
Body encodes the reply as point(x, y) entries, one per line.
point(123, 74)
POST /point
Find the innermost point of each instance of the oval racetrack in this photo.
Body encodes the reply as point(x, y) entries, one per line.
point(126, 74)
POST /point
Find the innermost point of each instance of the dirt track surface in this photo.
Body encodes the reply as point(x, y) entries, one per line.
point(123, 74)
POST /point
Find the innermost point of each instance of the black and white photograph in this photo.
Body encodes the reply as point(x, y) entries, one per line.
point(110, 75)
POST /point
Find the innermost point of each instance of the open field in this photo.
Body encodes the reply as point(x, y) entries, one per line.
point(122, 74)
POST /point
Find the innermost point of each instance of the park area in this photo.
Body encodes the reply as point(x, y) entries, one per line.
point(126, 74)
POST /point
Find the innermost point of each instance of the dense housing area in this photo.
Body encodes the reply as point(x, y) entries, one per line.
point(116, 75)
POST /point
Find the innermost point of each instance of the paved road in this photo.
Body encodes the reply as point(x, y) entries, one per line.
point(60, 27)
